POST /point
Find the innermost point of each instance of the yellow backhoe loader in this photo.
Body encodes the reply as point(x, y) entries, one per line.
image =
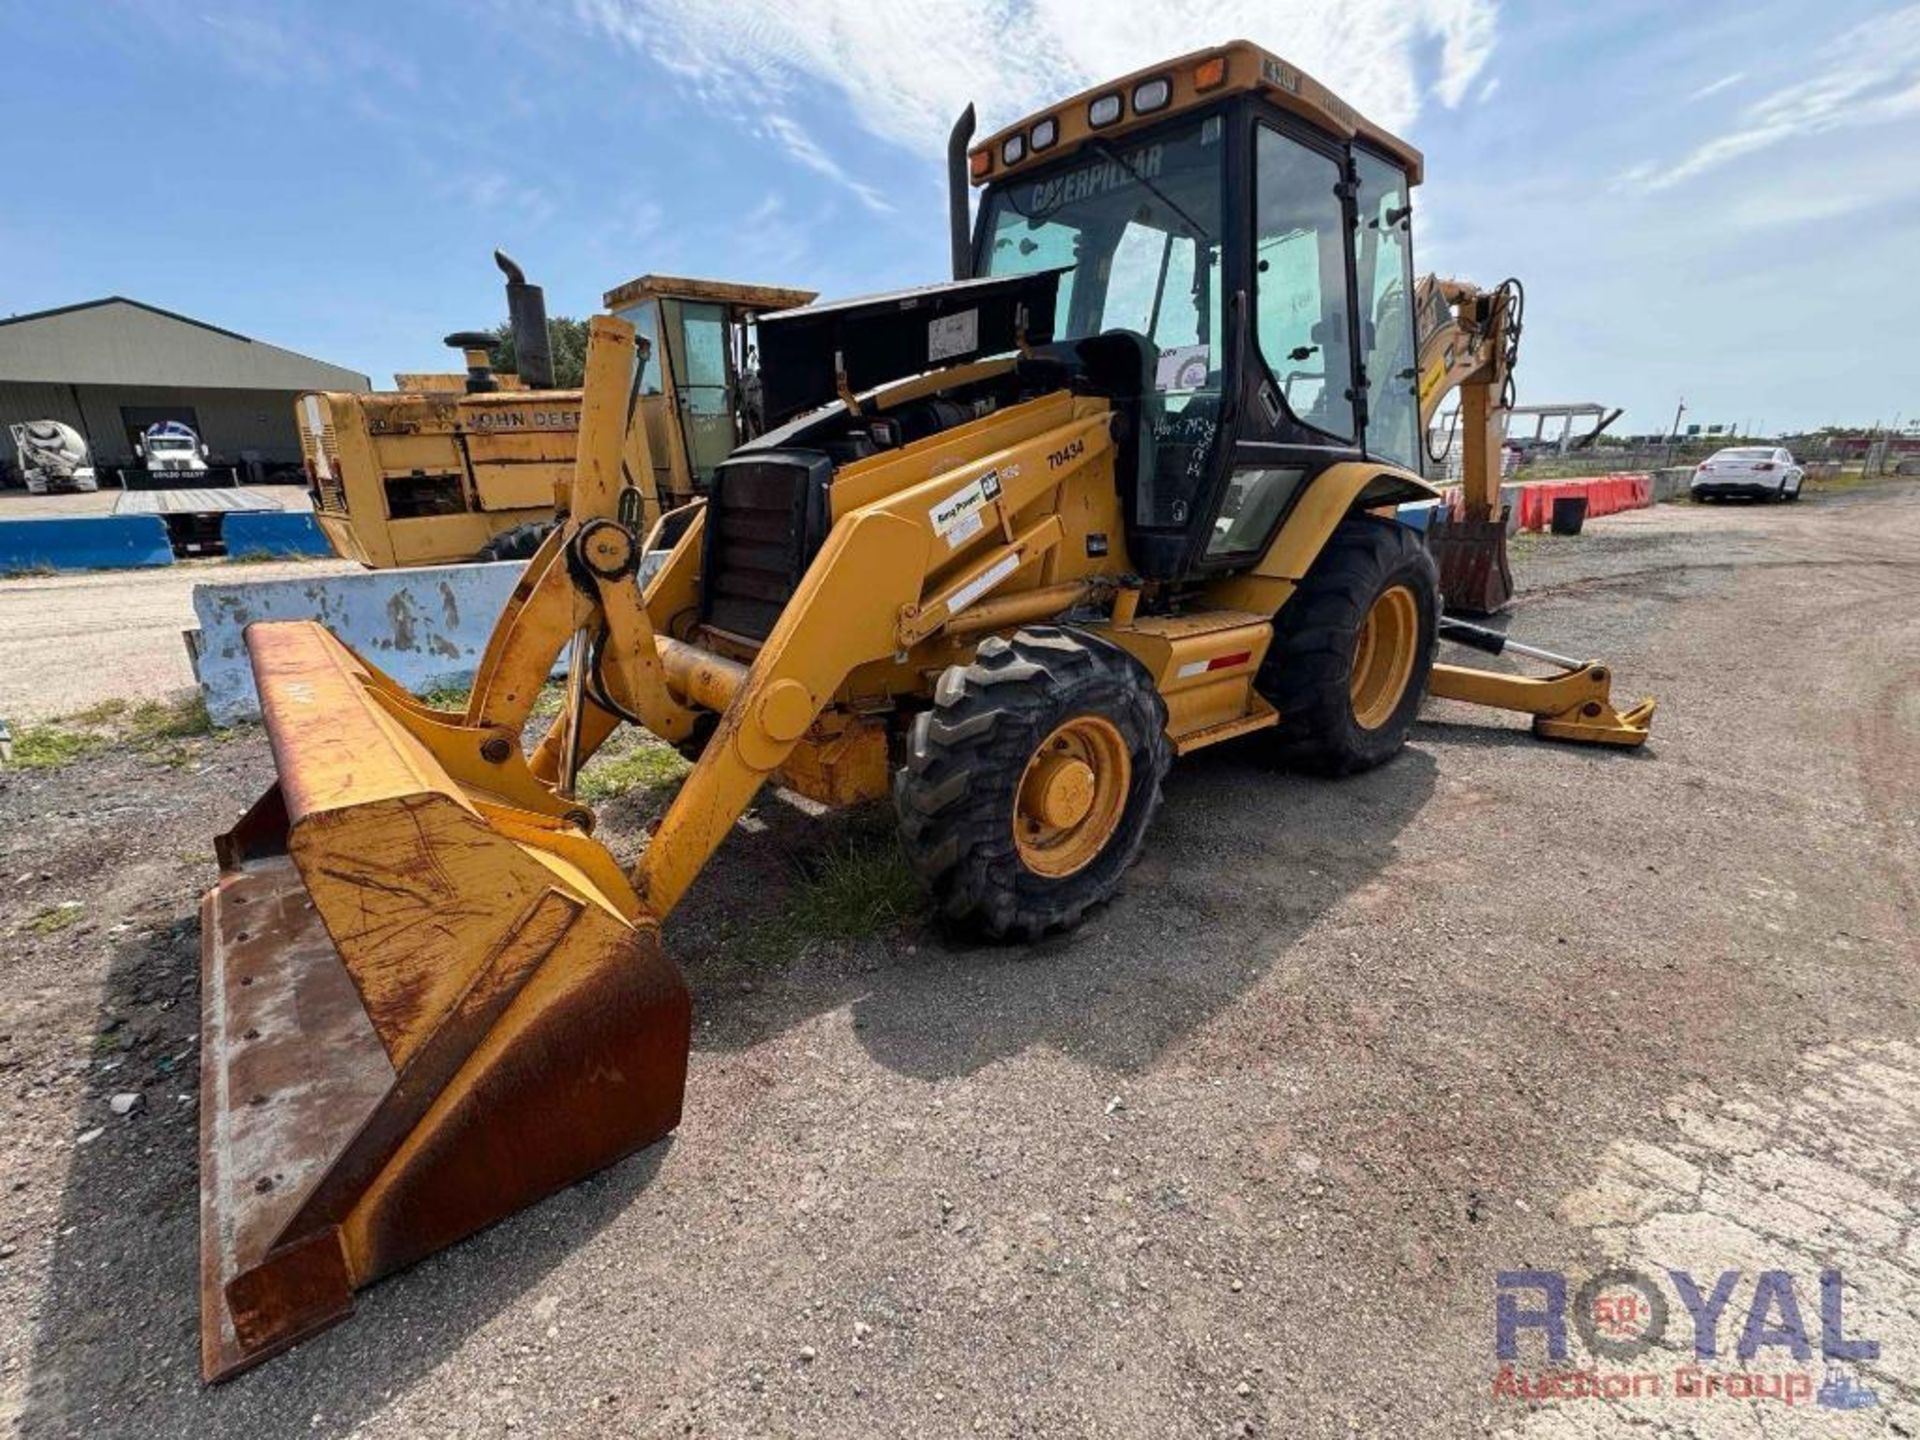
point(464, 467)
point(1011, 545)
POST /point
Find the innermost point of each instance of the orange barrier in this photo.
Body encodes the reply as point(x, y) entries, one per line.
point(1606, 495)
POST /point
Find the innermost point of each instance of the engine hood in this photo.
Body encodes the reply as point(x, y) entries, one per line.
point(806, 354)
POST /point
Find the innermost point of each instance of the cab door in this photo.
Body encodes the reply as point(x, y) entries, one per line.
point(1300, 407)
point(702, 373)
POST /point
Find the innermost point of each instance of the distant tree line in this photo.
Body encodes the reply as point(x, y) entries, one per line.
point(567, 338)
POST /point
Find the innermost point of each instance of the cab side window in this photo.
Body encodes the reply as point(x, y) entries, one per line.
point(1383, 264)
point(1300, 249)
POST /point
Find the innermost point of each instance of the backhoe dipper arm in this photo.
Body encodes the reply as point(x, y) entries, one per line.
point(1469, 339)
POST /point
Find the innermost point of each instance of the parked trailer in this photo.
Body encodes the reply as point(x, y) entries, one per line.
point(194, 517)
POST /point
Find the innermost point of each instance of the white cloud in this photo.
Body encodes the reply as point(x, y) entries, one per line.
point(1714, 87)
point(498, 192)
point(788, 133)
point(1869, 75)
point(903, 70)
point(283, 49)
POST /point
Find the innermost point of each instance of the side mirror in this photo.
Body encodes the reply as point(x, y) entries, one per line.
point(139, 450)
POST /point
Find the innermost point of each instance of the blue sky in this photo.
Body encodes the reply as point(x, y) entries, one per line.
point(1715, 200)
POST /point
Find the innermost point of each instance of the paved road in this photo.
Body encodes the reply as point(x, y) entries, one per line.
point(68, 641)
point(1246, 1154)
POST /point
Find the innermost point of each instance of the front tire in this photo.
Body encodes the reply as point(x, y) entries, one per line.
point(1352, 649)
point(1029, 786)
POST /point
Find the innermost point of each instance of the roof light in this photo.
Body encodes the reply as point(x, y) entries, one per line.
point(1103, 111)
point(1151, 95)
point(1210, 74)
point(1013, 149)
point(1044, 134)
point(979, 163)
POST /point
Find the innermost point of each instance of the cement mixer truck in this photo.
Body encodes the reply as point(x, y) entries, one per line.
point(53, 457)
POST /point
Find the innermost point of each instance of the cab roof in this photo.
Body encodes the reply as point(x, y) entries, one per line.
point(720, 292)
point(1239, 67)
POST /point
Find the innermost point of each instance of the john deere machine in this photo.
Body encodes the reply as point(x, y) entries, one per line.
point(463, 467)
point(1010, 545)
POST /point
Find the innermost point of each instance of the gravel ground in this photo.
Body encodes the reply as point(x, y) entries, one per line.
point(1242, 1155)
point(70, 641)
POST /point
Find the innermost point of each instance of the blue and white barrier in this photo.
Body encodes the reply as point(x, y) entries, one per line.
point(426, 627)
point(273, 532)
point(1417, 514)
point(84, 542)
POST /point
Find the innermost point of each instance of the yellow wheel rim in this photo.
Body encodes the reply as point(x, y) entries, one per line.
point(1071, 796)
point(1383, 657)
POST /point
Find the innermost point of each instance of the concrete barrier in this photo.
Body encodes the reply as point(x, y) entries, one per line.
point(1672, 483)
point(84, 542)
point(273, 532)
point(425, 627)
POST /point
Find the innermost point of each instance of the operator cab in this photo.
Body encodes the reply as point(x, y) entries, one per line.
point(1250, 233)
point(698, 387)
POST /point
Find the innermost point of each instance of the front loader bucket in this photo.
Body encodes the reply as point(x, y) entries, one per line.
point(420, 1013)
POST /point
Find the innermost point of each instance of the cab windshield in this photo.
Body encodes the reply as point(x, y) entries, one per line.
point(1137, 226)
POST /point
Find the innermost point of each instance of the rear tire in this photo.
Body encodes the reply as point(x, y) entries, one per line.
point(1029, 786)
point(1352, 649)
point(519, 543)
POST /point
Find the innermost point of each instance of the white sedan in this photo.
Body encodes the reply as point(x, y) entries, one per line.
point(1759, 472)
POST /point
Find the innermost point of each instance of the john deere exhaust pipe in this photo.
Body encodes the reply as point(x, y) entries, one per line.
point(527, 312)
point(959, 220)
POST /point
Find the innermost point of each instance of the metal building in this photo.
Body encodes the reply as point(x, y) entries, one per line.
point(112, 367)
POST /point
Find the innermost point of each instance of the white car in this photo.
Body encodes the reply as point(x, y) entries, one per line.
point(1759, 472)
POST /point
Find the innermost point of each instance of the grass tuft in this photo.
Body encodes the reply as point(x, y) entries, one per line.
point(55, 918)
point(448, 695)
point(855, 890)
point(105, 713)
point(154, 728)
point(154, 720)
point(48, 747)
point(645, 767)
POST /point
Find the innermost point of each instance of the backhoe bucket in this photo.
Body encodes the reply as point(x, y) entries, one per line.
point(1475, 577)
point(421, 1011)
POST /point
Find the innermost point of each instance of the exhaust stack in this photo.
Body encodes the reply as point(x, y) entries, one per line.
point(476, 348)
point(959, 219)
point(527, 312)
